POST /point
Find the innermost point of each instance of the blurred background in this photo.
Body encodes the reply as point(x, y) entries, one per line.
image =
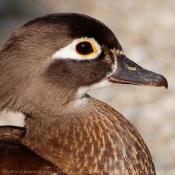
point(146, 31)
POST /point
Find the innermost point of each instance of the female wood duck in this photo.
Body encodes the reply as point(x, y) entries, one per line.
point(46, 69)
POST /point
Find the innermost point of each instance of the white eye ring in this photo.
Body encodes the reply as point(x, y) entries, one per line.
point(69, 51)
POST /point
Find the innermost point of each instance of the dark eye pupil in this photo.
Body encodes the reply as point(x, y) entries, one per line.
point(84, 48)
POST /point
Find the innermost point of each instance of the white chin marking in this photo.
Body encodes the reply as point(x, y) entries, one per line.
point(12, 118)
point(100, 85)
point(83, 90)
point(69, 52)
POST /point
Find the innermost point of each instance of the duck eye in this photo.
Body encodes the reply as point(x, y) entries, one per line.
point(85, 48)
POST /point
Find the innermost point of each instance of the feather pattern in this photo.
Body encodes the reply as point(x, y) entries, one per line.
point(95, 139)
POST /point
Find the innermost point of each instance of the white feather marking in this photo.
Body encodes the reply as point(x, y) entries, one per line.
point(118, 51)
point(114, 67)
point(69, 51)
point(12, 118)
point(121, 52)
point(80, 102)
point(83, 90)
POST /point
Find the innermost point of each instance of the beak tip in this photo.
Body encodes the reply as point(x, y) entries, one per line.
point(163, 82)
point(166, 84)
point(159, 81)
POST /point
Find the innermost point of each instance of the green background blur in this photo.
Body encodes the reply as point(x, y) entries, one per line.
point(146, 31)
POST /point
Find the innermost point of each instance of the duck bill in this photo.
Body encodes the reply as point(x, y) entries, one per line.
point(129, 72)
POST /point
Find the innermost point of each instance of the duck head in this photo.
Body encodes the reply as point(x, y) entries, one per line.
point(57, 58)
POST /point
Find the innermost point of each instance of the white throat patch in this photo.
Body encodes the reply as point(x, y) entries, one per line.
point(85, 89)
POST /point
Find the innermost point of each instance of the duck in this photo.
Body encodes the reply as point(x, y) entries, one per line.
point(47, 67)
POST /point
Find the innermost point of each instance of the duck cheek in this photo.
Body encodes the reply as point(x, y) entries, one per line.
point(86, 79)
point(85, 76)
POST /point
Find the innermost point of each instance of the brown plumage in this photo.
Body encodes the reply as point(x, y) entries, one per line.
point(15, 156)
point(66, 130)
point(96, 139)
